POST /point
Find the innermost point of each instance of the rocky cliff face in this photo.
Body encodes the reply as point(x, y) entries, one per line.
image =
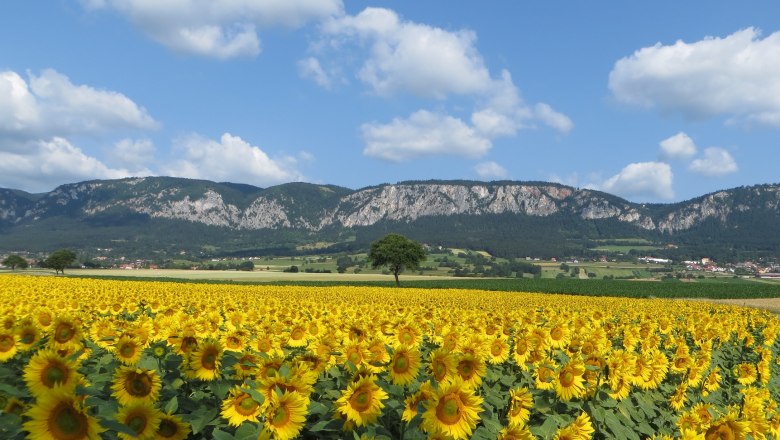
point(207, 203)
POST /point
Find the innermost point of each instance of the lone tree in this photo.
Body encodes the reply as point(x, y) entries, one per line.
point(397, 253)
point(14, 260)
point(60, 259)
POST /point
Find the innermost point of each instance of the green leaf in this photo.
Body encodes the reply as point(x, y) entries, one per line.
point(220, 388)
point(547, 429)
point(247, 431)
point(172, 405)
point(317, 408)
point(218, 434)
point(148, 363)
point(201, 417)
point(113, 425)
point(326, 425)
point(256, 395)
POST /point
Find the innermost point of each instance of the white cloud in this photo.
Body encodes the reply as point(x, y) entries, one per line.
point(133, 153)
point(424, 133)
point(230, 159)
point(427, 62)
point(312, 69)
point(220, 29)
point(412, 57)
point(647, 180)
point(51, 105)
point(678, 147)
point(735, 76)
point(715, 162)
point(490, 170)
point(552, 118)
point(45, 164)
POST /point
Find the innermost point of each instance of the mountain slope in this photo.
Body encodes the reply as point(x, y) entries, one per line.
point(509, 215)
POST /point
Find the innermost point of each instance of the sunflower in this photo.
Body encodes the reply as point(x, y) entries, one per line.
point(471, 369)
point(559, 336)
point(141, 418)
point(516, 432)
point(27, 334)
point(498, 351)
point(728, 427)
point(356, 354)
point(7, 345)
point(746, 373)
point(521, 352)
point(247, 365)
point(520, 403)
point(583, 426)
point(240, 407)
point(404, 365)
point(14, 406)
point(545, 377)
point(453, 410)
point(566, 433)
point(442, 365)
point(286, 414)
point(378, 355)
point(171, 428)
point(128, 350)
point(65, 334)
point(298, 336)
point(47, 371)
point(568, 381)
point(361, 402)
point(206, 360)
point(59, 415)
point(712, 382)
point(412, 402)
point(135, 385)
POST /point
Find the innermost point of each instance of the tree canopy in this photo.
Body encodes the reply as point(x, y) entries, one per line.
point(15, 260)
point(397, 253)
point(60, 259)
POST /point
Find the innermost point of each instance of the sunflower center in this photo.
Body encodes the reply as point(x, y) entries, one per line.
point(246, 405)
point(297, 334)
point(233, 342)
point(137, 423)
point(406, 337)
point(127, 350)
point(138, 385)
point(264, 345)
point(355, 357)
point(209, 360)
point(556, 334)
point(6, 343)
point(360, 400)
point(720, 432)
point(167, 429)
point(53, 374)
point(521, 347)
point(496, 349)
point(448, 410)
point(64, 333)
point(545, 375)
point(45, 319)
point(27, 337)
point(439, 371)
point(281, 416)
point(401, 365)
point(567, 378)
point(450, 342)
point(466, 370)
point(66, 423)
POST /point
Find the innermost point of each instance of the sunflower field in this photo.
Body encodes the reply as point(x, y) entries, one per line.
point(93, 359)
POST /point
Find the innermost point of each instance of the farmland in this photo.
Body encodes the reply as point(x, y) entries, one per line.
point(143, 358)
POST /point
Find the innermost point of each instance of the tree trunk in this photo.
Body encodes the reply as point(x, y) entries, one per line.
point(397, 283)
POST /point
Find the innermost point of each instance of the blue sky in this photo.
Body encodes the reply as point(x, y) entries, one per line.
point(655, 102)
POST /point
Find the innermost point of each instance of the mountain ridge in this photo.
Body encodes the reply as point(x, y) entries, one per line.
point(318, 209)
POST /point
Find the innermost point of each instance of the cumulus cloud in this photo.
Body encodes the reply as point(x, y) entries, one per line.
point(646, 180)
point(678, 147)
point(45, 164)
point(424, 133)
point(133, 153)
point(490, 170)
point(735, 76)
point(715, 162)
point(413, 57)
point(230, 159)
point(220, 29)
point(51, 105)
point(404, 57)
point(312, 69)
